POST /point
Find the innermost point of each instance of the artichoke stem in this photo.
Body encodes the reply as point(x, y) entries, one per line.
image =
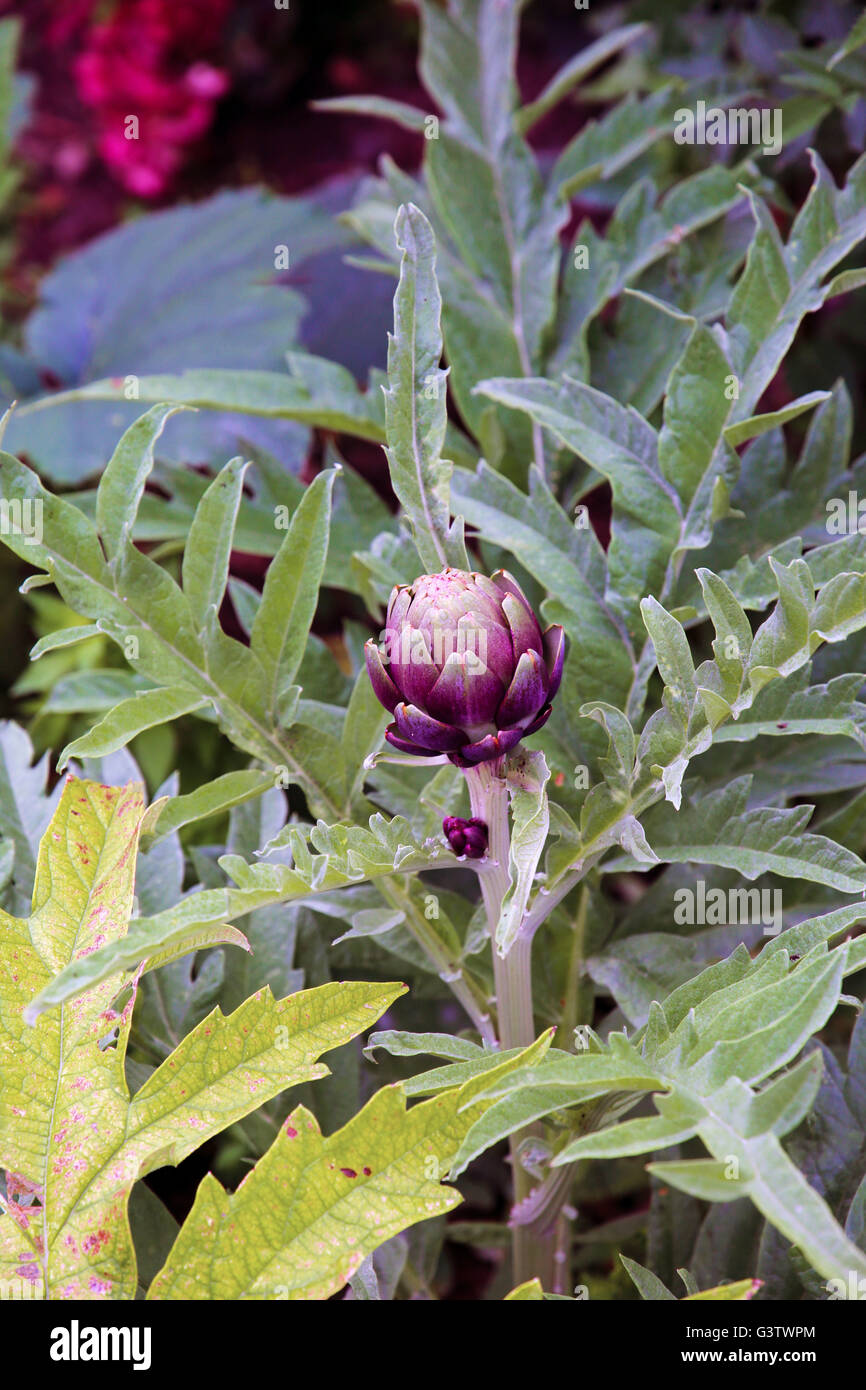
point(488, 797)
point(533, 1253)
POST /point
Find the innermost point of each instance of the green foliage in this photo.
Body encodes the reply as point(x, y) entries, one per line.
point(708, 739)
point(415, 410)
point(649, 1286)
point(176, 643)
point(705, 1049)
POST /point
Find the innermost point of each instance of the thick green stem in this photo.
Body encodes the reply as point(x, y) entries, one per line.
point(533, 1254)
point(513, 977)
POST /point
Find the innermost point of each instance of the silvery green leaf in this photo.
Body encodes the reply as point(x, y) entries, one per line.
point(415, 402)
point(527, 776)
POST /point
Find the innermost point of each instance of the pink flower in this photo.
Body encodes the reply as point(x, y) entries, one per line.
point(204, 81)
point(150, 88)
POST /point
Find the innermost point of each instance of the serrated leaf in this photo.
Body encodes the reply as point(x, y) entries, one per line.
point(210, 799)
point(415, 402)
point(780, 284)
point(325, 858)
point(140, 950)
point(137, 599)
point(737, 1019)
point(130, 718)
point(720, 830)
point(605, 146)
point(570, 564)
point(68, 1131)
point(641, 231)
point(291, 591)
point(320, 1206)
point(122, 483)
point(787, 708)
point(173, 999)
point(622, 446)
point(208, 549)
point(695, 410)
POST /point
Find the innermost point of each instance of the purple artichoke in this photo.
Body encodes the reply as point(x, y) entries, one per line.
point(467, 837)
point(465, 668)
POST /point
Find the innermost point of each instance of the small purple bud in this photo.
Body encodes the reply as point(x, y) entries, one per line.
point(467, 837)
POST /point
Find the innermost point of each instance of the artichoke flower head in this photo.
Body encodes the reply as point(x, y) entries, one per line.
point(464, 667)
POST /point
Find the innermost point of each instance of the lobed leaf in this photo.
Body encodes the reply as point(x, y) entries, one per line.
point(69, 1134)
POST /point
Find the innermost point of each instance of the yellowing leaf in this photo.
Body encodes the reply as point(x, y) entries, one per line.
point(530, 1292)
point(313, 1209)
point(740, 1292)
point(71, 1142)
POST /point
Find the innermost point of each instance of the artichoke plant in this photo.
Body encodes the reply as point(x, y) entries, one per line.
point(464, 666)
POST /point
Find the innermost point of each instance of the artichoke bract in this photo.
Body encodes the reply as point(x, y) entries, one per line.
point(464, 666)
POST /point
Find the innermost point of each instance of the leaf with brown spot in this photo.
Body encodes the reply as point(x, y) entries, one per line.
point(72, 1141)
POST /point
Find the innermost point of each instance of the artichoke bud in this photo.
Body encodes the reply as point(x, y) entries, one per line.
point(466, 837)
point(464, 666)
